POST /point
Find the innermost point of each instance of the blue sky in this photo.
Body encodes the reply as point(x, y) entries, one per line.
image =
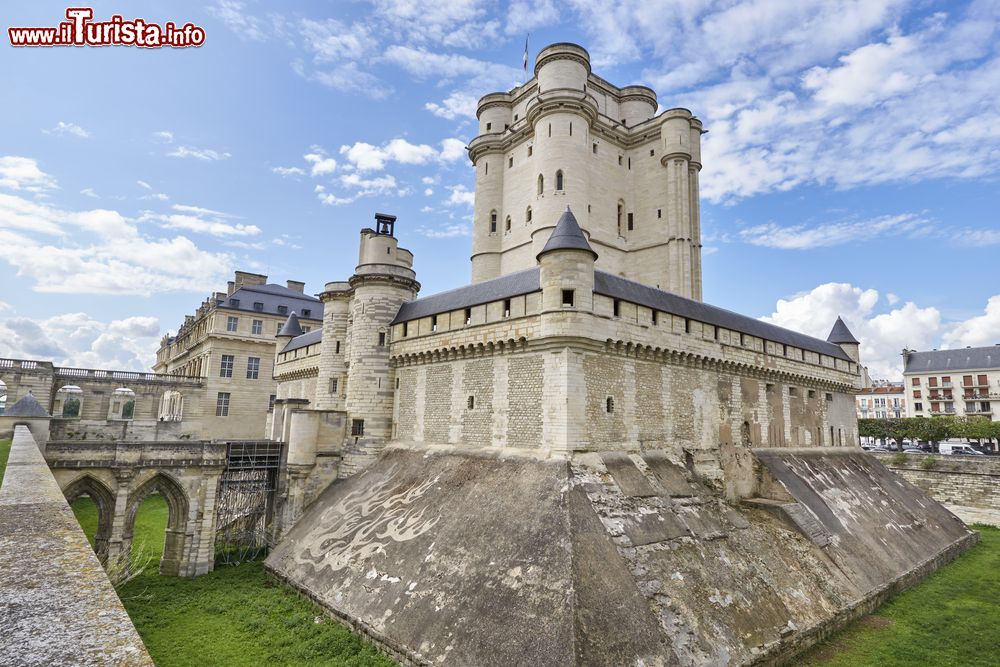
point(850, 167)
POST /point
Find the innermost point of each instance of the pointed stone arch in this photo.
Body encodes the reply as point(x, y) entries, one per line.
point(104, 499)
point(175, 538)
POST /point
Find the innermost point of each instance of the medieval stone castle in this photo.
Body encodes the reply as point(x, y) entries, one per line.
point(572, 460)
point(583, 328)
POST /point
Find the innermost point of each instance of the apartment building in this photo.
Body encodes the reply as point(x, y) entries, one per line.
point(229, 342)
point(882, 400)
point(962, 382)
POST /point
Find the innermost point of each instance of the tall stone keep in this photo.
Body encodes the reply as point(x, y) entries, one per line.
point(383, 280)
point(570, 138)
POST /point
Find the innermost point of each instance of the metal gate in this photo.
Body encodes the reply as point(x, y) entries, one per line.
point(245, 505)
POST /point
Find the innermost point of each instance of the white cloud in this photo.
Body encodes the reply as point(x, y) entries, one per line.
point(428, 192)
point(321, 164)
point(63, 128)
point(200, 220)
point(99, 251)
point(446, 231)
point(803, 236)
point(812, 102)
point(288, 171)
point(461, 197)
point(22, 173)
point(76, 339)
point(457, 104)
point(452, 149)
point(144, 185)
point(199, 153)
point(164, 136)
point(977, 331)
point(882, 335)
point(234, 14)
point(367, 157)
point(524, 16)
point(89, 192)
point(458, 23)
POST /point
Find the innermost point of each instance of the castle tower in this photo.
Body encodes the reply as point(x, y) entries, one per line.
point(842, 336)
point(382, 281)
point(569, 138)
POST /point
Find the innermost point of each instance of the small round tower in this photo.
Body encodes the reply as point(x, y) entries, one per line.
point(383, 280)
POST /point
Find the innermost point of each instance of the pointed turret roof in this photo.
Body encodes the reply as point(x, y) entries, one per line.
point(26, 407)
point(841, 334)
point(291, 327)
point(567, 236)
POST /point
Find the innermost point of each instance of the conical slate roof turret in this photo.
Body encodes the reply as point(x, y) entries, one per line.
point(841, 334)
point(567, 236)
point(26, 407)
point(291, 328)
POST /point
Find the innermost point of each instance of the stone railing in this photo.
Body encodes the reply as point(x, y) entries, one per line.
point(134, 376)
point(59, 606)
point(23, 364)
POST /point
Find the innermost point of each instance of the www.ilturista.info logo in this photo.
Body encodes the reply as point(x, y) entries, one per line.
point(80, 30)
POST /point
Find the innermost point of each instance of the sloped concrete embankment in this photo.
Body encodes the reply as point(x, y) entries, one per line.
point(57, 604)
point(461, 558)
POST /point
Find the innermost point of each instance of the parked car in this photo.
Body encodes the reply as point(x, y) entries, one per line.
point(913, 450)
point(878, 450)
point(949, 448)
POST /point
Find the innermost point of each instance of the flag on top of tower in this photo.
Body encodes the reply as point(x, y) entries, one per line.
point(526, 55)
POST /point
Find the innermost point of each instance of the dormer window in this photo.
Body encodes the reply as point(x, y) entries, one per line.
point(282, 310)
point(235, 303)
point(258, 305)
point(306, 312)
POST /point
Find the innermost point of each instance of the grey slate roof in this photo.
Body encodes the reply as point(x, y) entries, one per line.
point(291, 327)
point(567, 236)
point(667, 302)
point(963, 359)
point(504, 287)
point(26, 407)
point(841, 334)
point(272, 296)
point(303, 340)
point(527, 281)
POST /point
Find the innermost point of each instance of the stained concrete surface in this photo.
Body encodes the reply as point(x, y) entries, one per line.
point(472, 558)
point(57, 604)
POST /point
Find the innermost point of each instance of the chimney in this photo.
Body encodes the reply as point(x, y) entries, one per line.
point(230, 287)
point(244, 278)
point(296, 286)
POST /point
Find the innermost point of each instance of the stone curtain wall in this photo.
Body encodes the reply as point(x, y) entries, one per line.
point(525, 390)
point(967, 485)
point(59, 607)
point(558, 398)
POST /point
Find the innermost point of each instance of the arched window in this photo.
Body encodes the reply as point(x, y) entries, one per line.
point(3, 397)
point(506, 224)
point(541, 184)
point(122, 404)
point(527, 216)
point(493, 222)
point(559, 181)
point(68, 401)
point(171, 406)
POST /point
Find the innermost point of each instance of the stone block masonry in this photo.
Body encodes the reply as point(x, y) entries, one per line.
point(968, 486)
point(58, 606)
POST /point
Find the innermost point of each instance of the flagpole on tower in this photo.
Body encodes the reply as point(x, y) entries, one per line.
point(526, 57)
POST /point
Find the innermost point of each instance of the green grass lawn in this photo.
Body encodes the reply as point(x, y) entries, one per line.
point(948, 619)
point(4, 452)
point(233, 616)
point(237, 616)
